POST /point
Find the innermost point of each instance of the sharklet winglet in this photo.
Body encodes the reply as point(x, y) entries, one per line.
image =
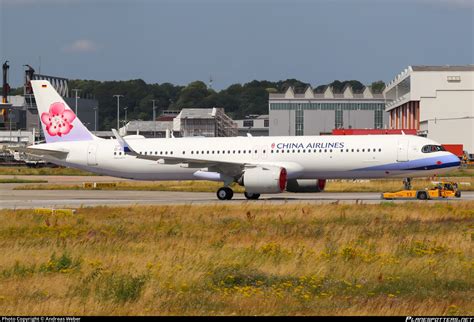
point(126, 147)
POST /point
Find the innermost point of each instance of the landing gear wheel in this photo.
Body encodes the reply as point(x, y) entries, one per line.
point(225, 193)
point(422, 195)
point(457, 194)
point(251, 196)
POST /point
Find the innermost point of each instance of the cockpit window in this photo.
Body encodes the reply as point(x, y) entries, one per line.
point(432, 148)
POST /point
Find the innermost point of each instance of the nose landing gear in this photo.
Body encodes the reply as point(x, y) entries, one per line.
point(407, 183)
point(251, 196)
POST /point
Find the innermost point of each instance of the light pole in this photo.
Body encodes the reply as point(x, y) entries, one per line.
point(76, 90)
point(10, 116)
point(154, 117)
point(95, 118)
point(118, 109)
point(125, 109)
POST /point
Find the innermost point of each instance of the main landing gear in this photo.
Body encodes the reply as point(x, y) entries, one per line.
point(251, 196)
point(225, 193)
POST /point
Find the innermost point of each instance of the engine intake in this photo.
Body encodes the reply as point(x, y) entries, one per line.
point(264, 180)
point(306, 185)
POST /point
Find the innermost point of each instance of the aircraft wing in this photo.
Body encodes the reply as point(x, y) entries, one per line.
point(228, 168)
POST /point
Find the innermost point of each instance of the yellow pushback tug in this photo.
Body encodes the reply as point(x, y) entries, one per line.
point(440, 190)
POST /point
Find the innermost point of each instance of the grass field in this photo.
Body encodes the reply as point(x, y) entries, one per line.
point(298, 259)
point(462, 172)
point(467, 184)
point(17, 180)
point(60, 171)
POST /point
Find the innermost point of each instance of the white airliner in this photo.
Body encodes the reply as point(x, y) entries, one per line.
point(260, 164)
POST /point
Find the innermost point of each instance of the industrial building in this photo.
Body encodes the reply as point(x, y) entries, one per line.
point(316, 113)
point(437, 101)
point(255, 125)
point(149, 129)
point(209, 122)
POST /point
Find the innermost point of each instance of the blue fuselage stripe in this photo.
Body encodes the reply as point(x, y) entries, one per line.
point(431, 163)
point(437, 166)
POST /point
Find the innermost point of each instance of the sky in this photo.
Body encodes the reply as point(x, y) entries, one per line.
point(233, 41)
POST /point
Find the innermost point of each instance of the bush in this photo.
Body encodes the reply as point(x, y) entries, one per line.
point(236, 275)
point(19, 270)
point(63, 264)
point(120, 287)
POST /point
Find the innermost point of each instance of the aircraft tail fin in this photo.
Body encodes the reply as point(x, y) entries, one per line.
point(59, 122)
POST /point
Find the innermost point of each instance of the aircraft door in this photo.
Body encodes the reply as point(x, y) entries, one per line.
point(92, 154)
point(402, 150)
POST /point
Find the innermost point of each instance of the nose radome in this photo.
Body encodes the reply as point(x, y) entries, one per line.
point(453, 159)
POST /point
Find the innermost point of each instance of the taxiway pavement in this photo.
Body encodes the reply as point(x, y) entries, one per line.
point(13, 199)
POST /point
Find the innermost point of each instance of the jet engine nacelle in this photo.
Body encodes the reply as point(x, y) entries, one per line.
point(306, 185)
point(264, 180)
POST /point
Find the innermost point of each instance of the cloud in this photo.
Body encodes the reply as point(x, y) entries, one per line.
point(81, 46)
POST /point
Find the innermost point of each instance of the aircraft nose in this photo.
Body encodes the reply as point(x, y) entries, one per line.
point(453, 160)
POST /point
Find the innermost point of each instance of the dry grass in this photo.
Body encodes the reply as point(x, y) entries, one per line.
point(59, 171)
point(383, 185)
point(17, 180)
point(465, 171)
point(298, 259)
point(209, 186)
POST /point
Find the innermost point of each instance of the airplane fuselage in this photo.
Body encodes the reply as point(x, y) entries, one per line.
point(260, 164)
point(307, 157)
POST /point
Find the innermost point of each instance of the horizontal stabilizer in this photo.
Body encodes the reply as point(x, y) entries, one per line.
point(44, 153)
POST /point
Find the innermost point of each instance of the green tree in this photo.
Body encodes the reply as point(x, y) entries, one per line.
point(193, 95)
point(339, 86)
point(378, 86)
point(238, 100)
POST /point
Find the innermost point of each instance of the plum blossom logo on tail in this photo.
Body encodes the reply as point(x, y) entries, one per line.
point(58, 120)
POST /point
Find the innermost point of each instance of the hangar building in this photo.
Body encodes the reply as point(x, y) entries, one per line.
point(316, 113)
point(438, 101)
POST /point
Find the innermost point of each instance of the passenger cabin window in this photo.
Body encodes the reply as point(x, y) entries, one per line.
point(432, 148)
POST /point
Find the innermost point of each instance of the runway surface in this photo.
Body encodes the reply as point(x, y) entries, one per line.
point(13, 199)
